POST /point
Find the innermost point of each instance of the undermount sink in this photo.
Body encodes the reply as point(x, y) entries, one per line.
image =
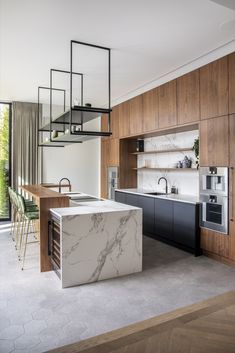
point(155, 193)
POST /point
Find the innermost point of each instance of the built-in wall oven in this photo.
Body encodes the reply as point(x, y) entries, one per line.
point(214, 198)
point(113, 182)
point(54, 244)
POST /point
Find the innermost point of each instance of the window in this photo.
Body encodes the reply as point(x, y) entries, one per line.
point(5, 160)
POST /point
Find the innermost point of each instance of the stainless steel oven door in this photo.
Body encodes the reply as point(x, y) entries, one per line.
point(214, 213)
point(214, 180)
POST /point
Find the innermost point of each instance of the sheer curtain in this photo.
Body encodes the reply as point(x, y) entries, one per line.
point(26, 156)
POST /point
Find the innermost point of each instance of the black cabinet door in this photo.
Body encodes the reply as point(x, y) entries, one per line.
point(164, 218)
point(120, 197)
point(185, 224)
point(147, 204)
point(132, 199)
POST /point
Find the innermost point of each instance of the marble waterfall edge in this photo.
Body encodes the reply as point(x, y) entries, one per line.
point(99, 246)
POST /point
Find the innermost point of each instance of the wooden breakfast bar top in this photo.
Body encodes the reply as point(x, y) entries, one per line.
point(45, 200)
point(40, 191)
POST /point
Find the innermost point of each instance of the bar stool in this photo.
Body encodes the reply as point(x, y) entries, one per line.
point(28, 215)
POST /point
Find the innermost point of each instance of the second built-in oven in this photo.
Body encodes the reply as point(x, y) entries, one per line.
point(214, 198)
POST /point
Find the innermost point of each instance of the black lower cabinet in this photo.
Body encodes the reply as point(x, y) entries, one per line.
point(132, 200)
point(173, 222)
point(164, 218)
point(186, 225)
point(120, 197)
point(147, 205)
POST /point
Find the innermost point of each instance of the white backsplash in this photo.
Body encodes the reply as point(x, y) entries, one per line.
point(187, 182)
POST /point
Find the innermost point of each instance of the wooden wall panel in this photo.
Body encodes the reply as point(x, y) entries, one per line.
point(128, 161)
point(232, 185)
point(113, 152)
point(231, 60)
point(214, 144)
point(188, 106)
point(214, 89)
point(167, 105)
point(103, 186)
point(150, 110)
point(124, 119)
point(215, 243)
point(115, 122)
point(136, 115)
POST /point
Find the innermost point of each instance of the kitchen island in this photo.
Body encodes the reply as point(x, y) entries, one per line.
point(95, 240)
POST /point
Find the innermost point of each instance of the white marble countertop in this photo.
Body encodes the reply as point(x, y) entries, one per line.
point(90, 207)
point(175, 197)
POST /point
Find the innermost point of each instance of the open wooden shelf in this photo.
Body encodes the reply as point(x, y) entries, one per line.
point(167, 169)
point(166, 151)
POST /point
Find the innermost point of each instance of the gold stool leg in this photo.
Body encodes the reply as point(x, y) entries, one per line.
point(25, 244)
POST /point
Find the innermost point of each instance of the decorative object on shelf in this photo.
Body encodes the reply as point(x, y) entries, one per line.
point(140, 145)
point(88, 105)
point(196, 151)
point(174, 190)
point(179, 164)
point(54, 134)
point(186, 162)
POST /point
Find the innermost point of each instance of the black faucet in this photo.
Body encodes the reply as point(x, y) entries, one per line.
point(67, 181)
point(162, 178)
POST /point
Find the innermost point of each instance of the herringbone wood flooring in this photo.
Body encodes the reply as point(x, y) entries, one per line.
point(205, 327)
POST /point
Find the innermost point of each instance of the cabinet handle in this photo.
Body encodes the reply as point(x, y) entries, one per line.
point(231, 183)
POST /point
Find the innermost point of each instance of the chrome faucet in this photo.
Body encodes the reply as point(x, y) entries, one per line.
point(67, 181)
point(162, 178)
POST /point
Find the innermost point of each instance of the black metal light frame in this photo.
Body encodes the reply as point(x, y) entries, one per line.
point(38, 120)
point(81, 108)
point(90, 109)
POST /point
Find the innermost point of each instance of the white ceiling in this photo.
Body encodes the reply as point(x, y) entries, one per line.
point(149, 39)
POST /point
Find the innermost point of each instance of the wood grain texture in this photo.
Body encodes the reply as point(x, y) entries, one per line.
point(104, 164)
point(214, 242)
point(188, 106)
point(232, 213)
point(214, 89)
point(150, 110)
point(167, 105)
point(113, 152)
point(232, 185)
point(136, 115)
point(45, 199)
point(214, 144)
point(104, 125)
point(231, 61)
point(128, 161)
point(124, 119)
point(115, 122)
point(204, 327)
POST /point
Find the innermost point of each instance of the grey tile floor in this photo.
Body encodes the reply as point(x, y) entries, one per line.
point(37, 315)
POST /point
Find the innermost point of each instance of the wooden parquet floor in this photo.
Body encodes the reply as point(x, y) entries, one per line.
point(205, 327)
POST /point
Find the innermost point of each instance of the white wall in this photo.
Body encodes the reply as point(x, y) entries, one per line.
point(78, 162)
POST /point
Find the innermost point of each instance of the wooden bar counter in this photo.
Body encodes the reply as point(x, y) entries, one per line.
point(45, 199)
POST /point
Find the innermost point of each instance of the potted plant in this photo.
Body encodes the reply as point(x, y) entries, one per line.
point(196, 151)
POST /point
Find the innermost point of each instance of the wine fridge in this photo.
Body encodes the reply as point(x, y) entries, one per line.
point(54, 244)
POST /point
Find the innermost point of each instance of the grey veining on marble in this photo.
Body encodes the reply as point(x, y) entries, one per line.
point(174, 197)
point(97, 246)
point(186, 182)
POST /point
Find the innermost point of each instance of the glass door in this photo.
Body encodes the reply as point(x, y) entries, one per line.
point(5, 160)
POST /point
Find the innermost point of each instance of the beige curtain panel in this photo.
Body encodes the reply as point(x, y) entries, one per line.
point(26, 156)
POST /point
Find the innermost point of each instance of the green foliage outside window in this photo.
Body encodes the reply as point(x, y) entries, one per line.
point(4, 160)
